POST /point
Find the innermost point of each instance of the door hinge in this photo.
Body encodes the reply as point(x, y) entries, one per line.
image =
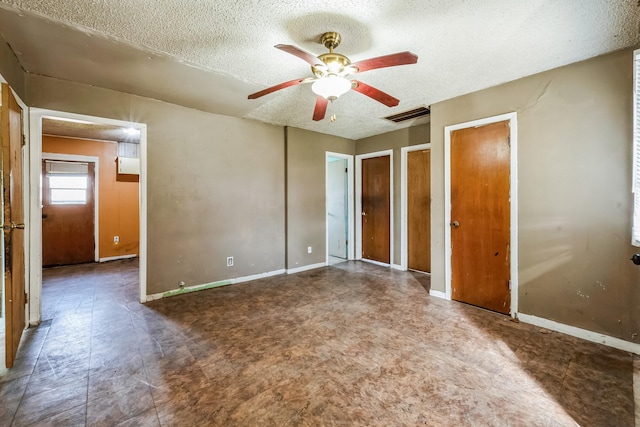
point(24, 140)
point(26, 298)
point(509, 141)
point(346, 170)
point(509, 284)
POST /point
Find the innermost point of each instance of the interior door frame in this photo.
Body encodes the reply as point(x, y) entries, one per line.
point(358, 245)
point(513, 195)
point(350, 213)
point(404, 197)
point(87, 159)
point(35, 237)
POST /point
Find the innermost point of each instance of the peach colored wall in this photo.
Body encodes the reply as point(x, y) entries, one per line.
point(118, 206)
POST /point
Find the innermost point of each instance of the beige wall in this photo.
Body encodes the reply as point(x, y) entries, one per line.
point(574, 185)
point(215, 184)
point(306, 193)
point(11, 70)
point(395, 140)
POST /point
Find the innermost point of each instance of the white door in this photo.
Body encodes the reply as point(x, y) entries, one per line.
point(337, 207)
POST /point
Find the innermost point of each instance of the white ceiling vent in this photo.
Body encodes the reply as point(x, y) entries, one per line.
point(408, 115)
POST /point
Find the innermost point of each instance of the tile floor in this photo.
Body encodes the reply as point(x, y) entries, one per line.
point(347, 345)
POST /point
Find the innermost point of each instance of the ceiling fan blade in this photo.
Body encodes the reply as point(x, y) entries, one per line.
point(278, 87)
point(302, 54)
point(321, 108)
point(401, 58)
point(376, 94)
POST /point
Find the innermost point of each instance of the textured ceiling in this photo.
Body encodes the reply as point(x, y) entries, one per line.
point(210, 55)
point(86, 130)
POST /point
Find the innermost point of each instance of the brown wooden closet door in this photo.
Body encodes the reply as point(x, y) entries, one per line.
point(419, 210)
point(480, 216)
point(376, 212)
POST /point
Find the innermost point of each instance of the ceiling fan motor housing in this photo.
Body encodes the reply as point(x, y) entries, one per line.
point(331, 40)
point(335, 64)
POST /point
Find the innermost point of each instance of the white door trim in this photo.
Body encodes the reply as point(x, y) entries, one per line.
point(96, 190)
point(350, 213)
point(513, 124)
point(358, 215)
point(404, 249)
point(35, 211)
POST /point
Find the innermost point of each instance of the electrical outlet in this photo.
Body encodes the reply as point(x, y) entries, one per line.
point(309, 250)
point(116, 239)
point(229, 261)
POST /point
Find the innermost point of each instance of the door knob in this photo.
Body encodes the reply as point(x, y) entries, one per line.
point(455, 224)
point(13, 226)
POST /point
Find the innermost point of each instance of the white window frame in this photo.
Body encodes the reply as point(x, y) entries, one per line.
point(635, 219)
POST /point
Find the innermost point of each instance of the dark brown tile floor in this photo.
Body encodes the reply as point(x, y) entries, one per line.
point(352, 344)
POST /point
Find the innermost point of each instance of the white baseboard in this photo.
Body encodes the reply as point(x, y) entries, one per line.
point(370, 261)
point(217, 284)
point(398, 267)
point(306, 267)
point(114, 258)
point(437, 294)
point(580, 333)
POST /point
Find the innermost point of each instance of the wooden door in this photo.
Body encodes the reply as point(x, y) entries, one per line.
point(419, 210)
point(67, 213)
point(376, 212)
point(480, 216)
point(13, 221)
point(337, 207)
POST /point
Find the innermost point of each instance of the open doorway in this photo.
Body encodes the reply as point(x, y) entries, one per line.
point(339, 207)
point(89, 187)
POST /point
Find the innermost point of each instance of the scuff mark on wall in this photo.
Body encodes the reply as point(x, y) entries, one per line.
point(583, 295)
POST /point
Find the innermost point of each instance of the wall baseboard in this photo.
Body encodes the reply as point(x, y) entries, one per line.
point(580, 333)
point(437, 294)
point(397, 267)
point(306, 267)
point(114, 258)
point(217, 284)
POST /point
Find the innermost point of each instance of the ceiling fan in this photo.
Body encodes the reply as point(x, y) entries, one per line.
point(331, 74)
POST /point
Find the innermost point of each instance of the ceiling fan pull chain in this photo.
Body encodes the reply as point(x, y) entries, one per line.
point(330, 110)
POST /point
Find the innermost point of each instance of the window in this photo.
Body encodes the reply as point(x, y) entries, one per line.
point(635, 230)
point(68, 182)
point(68, 189)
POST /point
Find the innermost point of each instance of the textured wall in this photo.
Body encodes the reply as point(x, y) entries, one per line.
point(574, 185)
point(306, 193)
point(118, 214)
point(395, 140)
point(215, 184)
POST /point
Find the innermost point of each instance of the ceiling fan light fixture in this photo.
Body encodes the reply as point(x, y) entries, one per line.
point(331, 86)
